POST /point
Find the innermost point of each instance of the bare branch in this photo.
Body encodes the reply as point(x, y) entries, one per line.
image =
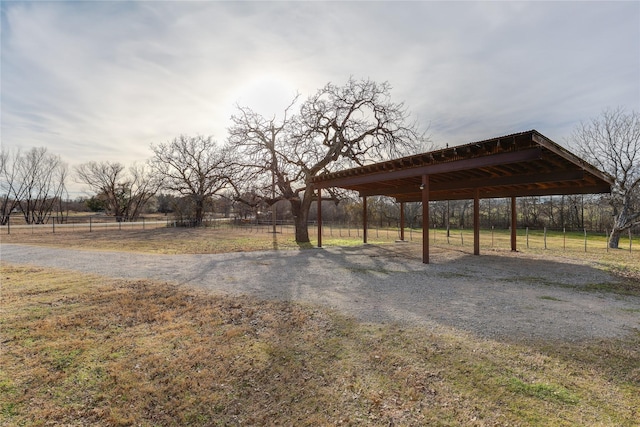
point(612, 143)
point(337, 127)
point(192, 166)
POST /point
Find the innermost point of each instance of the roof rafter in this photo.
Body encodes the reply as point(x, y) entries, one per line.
point(521, 164)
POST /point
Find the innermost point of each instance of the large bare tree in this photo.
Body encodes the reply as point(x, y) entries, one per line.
point(193, 167)
point(339, 126)
point(612, 143)
point(33, 182)
point(125, 193)
point(11, 187)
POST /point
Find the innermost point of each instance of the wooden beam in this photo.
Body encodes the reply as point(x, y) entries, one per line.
point(425, 219)
point(476, 222)
point(466, 194)
point(567, 155)
point(402, 222)
point(538, 178)
point(364, 220)
point(514, 220)
point(319, 217)
point(452, 166)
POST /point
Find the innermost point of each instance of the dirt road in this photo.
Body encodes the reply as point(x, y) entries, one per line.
point(501, 296)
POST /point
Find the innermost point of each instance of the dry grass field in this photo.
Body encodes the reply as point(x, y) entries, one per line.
point(88, 350)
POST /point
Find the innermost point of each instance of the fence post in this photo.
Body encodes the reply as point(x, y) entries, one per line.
point(143, 223)
point(606, 238)
point(53, 223)
point(90, 224)
point(527, 235)
point(9, 224)
point(545, 237)
point(630, 240)
point(564, 238)
point(585, 240)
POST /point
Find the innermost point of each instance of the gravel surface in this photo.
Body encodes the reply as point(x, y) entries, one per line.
point(502, 296)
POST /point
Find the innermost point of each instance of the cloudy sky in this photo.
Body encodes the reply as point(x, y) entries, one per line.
point(104, 80)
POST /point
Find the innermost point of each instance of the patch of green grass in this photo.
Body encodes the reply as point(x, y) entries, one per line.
point(536, 280)
point(8, 410)
point(6, 385)
point(543, 391)
point(623, 288)
point(61, 360)
point(453, 275)
point(370, 270)
point(549, 298)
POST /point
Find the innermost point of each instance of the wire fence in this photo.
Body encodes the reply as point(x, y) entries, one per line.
point(493, 238)
point(526, 238)
point(102, 223)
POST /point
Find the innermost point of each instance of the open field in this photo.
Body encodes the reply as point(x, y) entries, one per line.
point(81, 349)
point(85, 350)
point(223, 239)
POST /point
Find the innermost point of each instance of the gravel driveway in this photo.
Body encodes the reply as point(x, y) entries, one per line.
point(505, 296)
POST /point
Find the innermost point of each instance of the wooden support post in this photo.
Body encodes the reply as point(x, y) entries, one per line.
point(364, 219)
point(319, 218)
point(476, 222)
point(425, 218)
point(514, 220)
point(402, 221)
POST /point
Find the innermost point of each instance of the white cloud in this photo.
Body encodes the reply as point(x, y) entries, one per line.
point(103, 80)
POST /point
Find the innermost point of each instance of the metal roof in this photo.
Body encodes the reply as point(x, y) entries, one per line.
point(521, 164)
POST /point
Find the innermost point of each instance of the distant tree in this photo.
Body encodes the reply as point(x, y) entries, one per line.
point(383, 211)
point(339, 126)
point(96, 203)
point(124, 193)
point(611, 142)
point(164, 203)
point(33, 182)
point(193, 167)
point(11, 187)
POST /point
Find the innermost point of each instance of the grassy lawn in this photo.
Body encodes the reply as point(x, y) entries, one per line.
point(78, 349)
point(85, 350)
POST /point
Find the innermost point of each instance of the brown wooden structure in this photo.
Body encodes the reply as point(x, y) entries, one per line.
point(522, 164)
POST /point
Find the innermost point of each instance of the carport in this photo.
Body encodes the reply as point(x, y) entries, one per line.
point(517, 165)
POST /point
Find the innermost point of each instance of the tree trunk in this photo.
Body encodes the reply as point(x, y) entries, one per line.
point(302, 231)
point(300, 211)
point(614, 238)
point(623, 222)
point(199, 211)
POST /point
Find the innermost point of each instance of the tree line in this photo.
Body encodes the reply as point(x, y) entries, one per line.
point(269, 161)
point(553, 212)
